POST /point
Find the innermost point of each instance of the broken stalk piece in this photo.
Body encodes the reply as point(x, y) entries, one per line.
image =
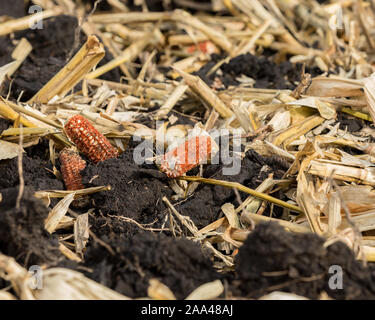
point(77, 68)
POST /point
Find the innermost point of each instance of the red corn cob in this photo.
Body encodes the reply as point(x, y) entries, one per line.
point(89, 140)
point(188, 155)
point(71, 166)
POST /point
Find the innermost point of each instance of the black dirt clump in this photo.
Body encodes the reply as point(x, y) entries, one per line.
point(35, 162)
point(6, 49)
point(136, 190)
point(178, 263)
point(274, 259)
point(4, 124)
point(265, 72)
point(161, 5)
point(350, 124)
point(23, 235)
point(14, 8)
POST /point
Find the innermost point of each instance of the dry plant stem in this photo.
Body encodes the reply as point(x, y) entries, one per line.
point(159, 88)
point(81, 21)
point(342, 172)
point(305, 200)
point(171, 101)
point(128, 55)
point(19, 54)
point(295, 131)
point(25, 22)
point(217, 37)
point(90, 28)
point(117, 4)
point(77, 68)
point(129, 220)
point(198, 86)
point(210, 123)
point(93, 235)
point(250, 44)
point(69, 253)
point(10, 270)
point(357, 232)
point(242, 188)
point(12, 111)
point(191, 227)
point(23, 110)
point(57, 214)
point(7, 112)
point(179, 16)
point(81, 233)
point(361, 13)
point(249, 217)
point(20, 172)
point(130, 17)
point(63, 193)
point(267, 184)
point(146, 65)
point(356, 114)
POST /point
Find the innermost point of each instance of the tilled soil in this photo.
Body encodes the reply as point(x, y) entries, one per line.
point(145, 183)
point(22, 229)
point(270, 257)
point(178, 263)
point(273, 259)
point(264, 72)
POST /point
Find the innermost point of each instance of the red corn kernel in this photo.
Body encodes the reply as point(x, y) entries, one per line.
point(205, 47)
point(71, 166)
point(188, 155)
point(89, 140)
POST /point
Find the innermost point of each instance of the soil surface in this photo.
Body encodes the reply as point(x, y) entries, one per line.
point(23, 235)
point(35, 163)
point(265, 72)
point(178, 263)
point(12, 9)
point(274, 259)
point(350, 124)
point(148, 185)
point(292, 262)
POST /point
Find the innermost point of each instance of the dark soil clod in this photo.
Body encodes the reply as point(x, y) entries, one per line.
point(25, 237)
point(274, 259)
point(178, 263)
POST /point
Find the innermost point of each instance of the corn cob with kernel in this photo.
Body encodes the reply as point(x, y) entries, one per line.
point(71, 166)
point(89, 140)
point(188, 155)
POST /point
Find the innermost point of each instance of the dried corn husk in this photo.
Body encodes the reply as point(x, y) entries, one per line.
point(65, 284)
